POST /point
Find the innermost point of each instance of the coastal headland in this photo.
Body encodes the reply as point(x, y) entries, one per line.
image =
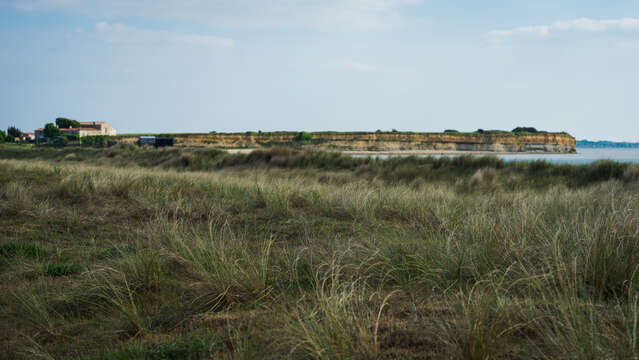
point(490, 141)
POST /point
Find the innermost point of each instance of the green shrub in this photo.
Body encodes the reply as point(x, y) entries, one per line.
point(97, 140)
point(303, 138)
point(61, 269)
point(3, 136)
point(525, 129)
point(605, 170)
point(631, 173)
point(448, 131)
point(60, 141)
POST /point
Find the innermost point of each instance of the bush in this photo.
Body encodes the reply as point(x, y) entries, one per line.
point(631, 173)
point(72, 137)
point(97, 140)
point(60, 141)
point(525, 129)
point(450, 131)
point(303, 138)
point(3, 136)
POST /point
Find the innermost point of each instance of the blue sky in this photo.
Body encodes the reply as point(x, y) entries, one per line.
point(238, 65)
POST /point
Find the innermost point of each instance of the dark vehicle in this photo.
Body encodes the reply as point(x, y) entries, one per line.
point(156, 141)
point(164, 141)
point(146, 140)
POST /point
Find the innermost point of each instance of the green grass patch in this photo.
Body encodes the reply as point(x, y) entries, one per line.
point(61, 269)
point(180, 349)
point(13, 250)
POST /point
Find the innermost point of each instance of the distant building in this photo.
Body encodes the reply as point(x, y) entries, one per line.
point(28, 136)
point(103, 127)
point(89, 128)
point(39, 134)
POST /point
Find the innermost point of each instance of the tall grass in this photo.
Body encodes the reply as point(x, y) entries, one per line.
point(340, 319)
point(300, 261)
point(483, 172)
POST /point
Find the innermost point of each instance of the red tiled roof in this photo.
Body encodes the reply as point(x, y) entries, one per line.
point(79, 129)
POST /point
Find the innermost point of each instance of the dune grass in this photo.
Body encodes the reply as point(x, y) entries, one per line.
point(315, 255)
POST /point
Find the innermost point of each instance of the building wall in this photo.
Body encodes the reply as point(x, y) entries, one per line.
point(88, 129)
point(103, 127)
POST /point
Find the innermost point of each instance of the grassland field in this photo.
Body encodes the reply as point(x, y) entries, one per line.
point(143, 253)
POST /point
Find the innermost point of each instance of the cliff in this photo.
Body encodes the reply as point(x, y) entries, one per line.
point(486, 142)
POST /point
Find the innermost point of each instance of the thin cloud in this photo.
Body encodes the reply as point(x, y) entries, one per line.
point(119, 33)
point(322, 14)
point(358, 66)
point(577, 25)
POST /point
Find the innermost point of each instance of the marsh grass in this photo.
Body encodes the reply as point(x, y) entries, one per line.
point(480, 172)
point(61, 269)
point(316, 256)
point(340, 319)
point(12, 250)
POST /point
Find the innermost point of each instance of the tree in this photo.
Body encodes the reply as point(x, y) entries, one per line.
point(51, 130)
point(2, 136)
point(525, 129)
point(14, 132)
point(303, 138)
point(64, 123)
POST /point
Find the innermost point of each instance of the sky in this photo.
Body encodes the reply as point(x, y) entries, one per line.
point(341, 65)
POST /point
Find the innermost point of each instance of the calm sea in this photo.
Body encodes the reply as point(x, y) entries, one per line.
point(583, 156)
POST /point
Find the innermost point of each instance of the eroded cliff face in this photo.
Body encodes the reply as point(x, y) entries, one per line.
point(502, 142)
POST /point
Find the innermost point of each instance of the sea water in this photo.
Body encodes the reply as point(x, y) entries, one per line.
point(583, 156)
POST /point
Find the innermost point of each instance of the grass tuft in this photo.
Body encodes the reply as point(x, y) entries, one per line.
point(61, 269)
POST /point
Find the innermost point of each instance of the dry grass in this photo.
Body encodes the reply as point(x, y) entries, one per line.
point(289, 262)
